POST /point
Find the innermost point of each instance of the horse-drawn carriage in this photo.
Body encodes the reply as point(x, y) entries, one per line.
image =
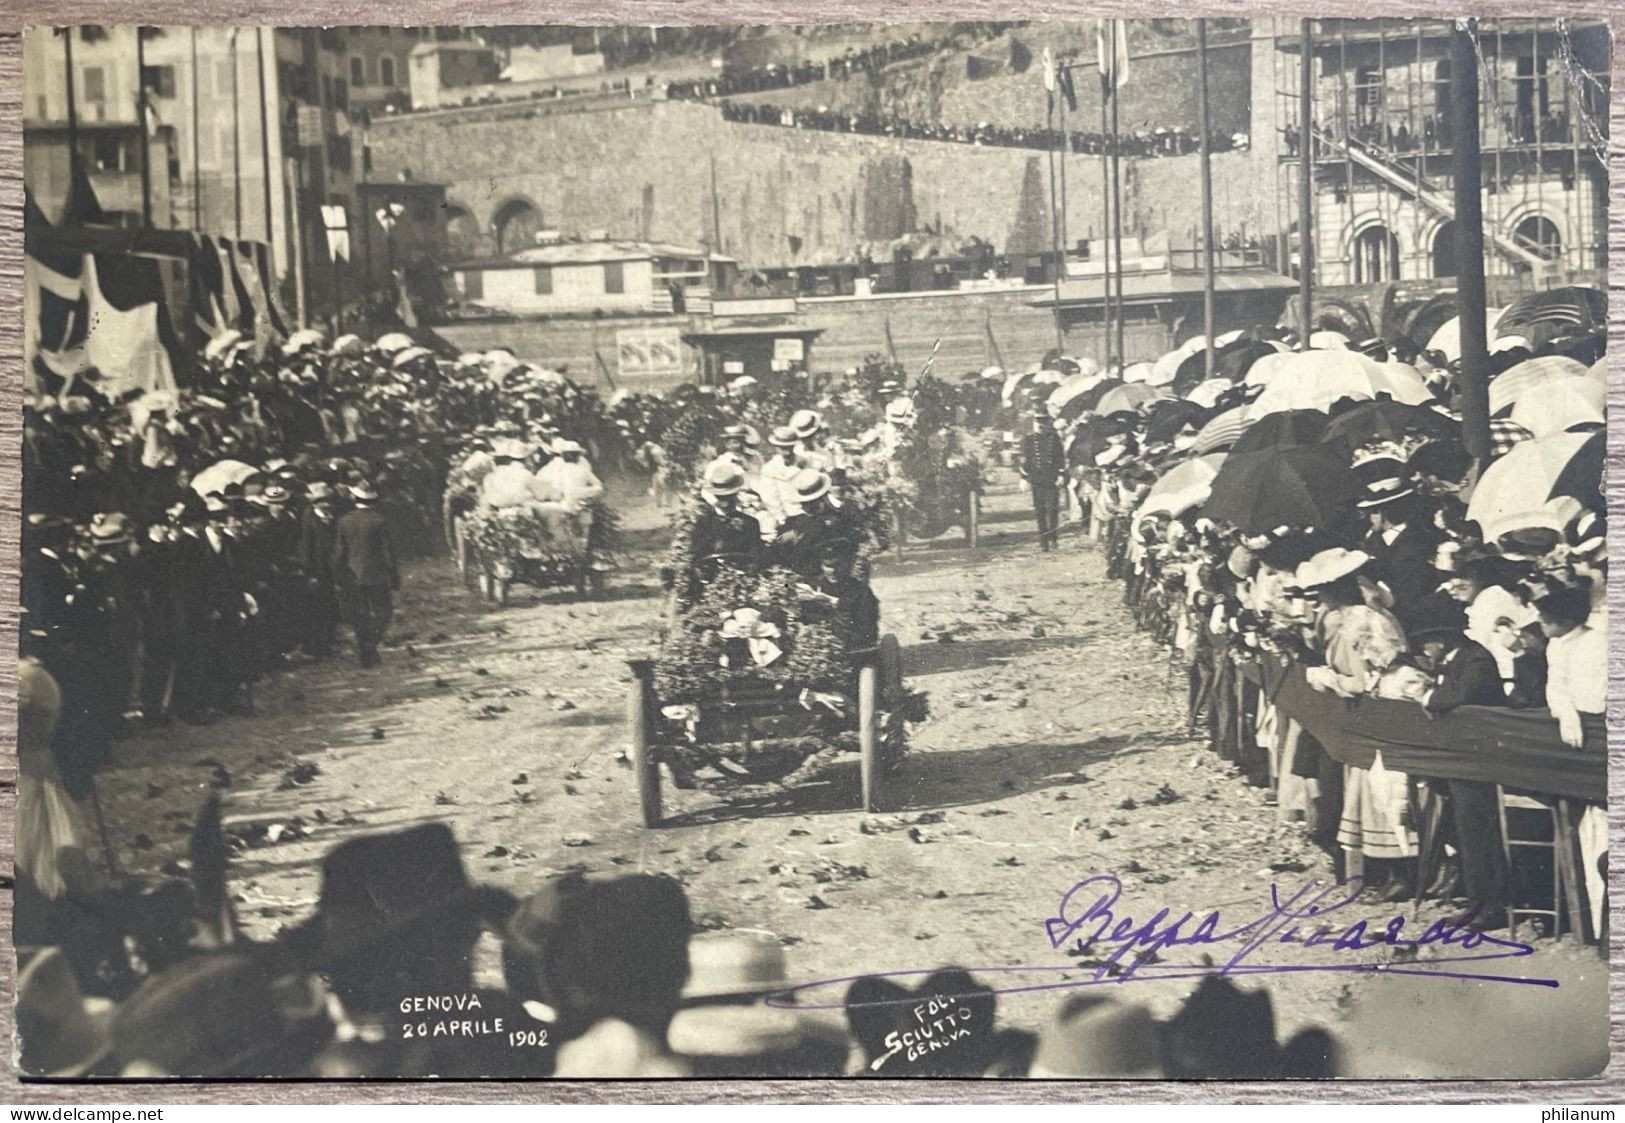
point(541, 545)
point(760, 680)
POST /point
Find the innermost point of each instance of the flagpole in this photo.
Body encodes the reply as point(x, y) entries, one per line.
point(1105, 218)
point(197, 162)
point(141, 125)
point(1117, 199)
point(1207, 193)
point(1475, 401)
point(1054, 216)
point(73, 115)
point(265, 132)
point(1306, 184)
point(1062, 87)
point(236, 141)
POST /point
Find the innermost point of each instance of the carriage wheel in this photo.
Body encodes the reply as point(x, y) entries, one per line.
point(891, 694)
point(869, 764)
point(973, 519)
point(644, 766)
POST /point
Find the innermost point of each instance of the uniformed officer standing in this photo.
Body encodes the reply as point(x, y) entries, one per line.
point(1043, 463)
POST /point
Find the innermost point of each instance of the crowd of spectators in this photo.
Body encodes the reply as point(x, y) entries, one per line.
point(1161, 141)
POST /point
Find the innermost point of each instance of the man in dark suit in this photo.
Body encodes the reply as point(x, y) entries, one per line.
point(366, 568)
point(1465, 674)
point(1043, 463)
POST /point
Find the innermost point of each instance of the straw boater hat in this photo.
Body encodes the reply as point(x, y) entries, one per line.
point(900, 411)
point(810, 484)
point(362, 492)
point(724, 477)
point(782, 437)
point(566, 445)
point(349, 346)
point(1384, 470)
point(805, 422)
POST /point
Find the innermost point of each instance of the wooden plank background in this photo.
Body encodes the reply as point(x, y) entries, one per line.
point(1608, 1088)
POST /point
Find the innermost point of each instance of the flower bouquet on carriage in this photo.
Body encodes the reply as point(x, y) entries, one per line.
point(541, 545)
point(932, 481)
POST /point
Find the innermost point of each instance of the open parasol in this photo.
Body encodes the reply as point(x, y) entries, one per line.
point(1223, 431)
point(1126, 397)
point(1292, 428)
point(1388, 420)
point(1310, 486)
point(1184, 486)
point(1319, 379)
point(1562, 405)
point(221, 475)
point(1534, 472)
point(1532, 376)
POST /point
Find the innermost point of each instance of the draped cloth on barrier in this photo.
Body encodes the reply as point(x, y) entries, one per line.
point(1517, 748)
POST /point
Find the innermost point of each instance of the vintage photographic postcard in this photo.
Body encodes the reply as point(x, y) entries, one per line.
point(1067, 550)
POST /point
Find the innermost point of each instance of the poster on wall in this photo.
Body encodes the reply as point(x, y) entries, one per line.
point(649, 352)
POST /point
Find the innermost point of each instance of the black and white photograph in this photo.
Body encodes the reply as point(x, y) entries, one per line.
point(1022, 549)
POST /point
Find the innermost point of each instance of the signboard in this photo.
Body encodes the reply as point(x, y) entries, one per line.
point(789, 350)
point(649, 352)
point(311, 132)
point(733, 366)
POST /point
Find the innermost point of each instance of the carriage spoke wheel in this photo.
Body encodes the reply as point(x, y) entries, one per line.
point(644, 766)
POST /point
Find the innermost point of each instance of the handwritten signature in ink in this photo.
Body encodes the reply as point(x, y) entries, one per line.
point(1090, 919)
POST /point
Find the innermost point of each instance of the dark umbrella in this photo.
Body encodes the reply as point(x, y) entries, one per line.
point(1581, 477)
point(1191, 373)
point(1237, 358)
point(1169, 415)
point(1292, 428)
point(1092, 437)
point(1310, 486)
point(1388, 420)
point(1542, 317)
point(1423, 320)
point(1086, 401)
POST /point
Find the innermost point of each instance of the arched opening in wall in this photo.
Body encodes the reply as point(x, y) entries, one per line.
point(1540, 236)
point(516, 225)
point(462, 232)
point(1444, 250)
point(1376, 255)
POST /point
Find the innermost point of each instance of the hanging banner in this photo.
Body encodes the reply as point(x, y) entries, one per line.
point(649, 352)
point(336, 220)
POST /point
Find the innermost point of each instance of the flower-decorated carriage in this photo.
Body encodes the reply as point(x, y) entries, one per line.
point(542, 545)
point(765, 674)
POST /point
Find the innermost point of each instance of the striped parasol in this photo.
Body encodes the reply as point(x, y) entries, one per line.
point(1555, 314)
point(1222, 431)
point(1530, 376)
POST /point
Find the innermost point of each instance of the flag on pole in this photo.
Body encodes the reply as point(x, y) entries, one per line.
point(1111, 39)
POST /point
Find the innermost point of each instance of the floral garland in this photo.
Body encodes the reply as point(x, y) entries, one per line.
point(705, 650)
point(933, 479)
point(552, 538)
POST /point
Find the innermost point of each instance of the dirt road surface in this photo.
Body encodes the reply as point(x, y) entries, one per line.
point(1054, 752)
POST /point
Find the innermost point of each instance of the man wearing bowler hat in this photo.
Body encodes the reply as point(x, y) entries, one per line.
point(366, 567)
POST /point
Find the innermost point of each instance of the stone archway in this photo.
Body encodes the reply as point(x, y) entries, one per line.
point(515, 224)
point(464, 238)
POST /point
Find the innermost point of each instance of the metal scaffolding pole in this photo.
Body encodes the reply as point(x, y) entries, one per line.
point(1207, 193)
point(1306, 184)
point(1475, 391)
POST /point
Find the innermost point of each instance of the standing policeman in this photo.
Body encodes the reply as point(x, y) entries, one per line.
point(1043, 462)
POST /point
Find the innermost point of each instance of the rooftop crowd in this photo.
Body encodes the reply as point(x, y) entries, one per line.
point(1161, 141)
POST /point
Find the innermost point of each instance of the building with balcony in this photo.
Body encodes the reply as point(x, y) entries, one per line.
point(1383, 155)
